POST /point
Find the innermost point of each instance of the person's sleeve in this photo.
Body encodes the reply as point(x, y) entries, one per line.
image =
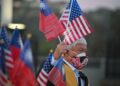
point(49, 83)
point(53, 61)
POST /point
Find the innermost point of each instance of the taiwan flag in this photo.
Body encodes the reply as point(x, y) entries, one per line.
point(49, 23)
point(16, 44)
point(24, 70)
point(56, 75)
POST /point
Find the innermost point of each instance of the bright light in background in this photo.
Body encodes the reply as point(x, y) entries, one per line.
point(16, 25)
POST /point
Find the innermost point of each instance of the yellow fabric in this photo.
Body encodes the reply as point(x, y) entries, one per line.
point(70, 76)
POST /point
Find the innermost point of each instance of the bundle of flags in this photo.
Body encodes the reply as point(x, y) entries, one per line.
point(72, 24)
point(16, 63)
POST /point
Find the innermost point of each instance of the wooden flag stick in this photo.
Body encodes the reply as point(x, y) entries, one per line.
point(67, 22)
point(59, 39)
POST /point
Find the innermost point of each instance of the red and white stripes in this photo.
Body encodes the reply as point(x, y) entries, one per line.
point(75, 28)
point(3, 79)
point(8, 59)
point(42, 78)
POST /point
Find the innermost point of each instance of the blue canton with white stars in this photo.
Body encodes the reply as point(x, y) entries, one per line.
point(2, 59)
point(4, 36)
point(47, 65)
point(44, 8)
point(75, 10)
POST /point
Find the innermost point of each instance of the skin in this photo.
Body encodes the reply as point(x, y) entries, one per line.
point(69, 54)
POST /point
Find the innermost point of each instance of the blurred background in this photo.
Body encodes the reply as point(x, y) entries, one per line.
point(103, 44)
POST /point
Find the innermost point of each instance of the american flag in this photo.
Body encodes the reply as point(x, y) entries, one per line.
point(75, 23)
point(43, 75)
point(8, 59)
point(3, 77)
point(8, 54)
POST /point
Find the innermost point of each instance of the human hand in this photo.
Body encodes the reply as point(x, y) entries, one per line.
point(60, 49)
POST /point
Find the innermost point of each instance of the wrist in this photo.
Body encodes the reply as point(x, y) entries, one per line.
point(56, 55)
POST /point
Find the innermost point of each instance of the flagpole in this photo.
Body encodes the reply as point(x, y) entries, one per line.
point(69, 13)
point(59, 39)
point(70, 10)
point(67, 22)
point(69, 17)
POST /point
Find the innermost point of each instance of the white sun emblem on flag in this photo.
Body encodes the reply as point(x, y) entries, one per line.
point(42, 5)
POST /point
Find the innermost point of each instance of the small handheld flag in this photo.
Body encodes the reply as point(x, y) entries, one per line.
point(49, 23)
point(3, 77)
point(24, 69)
point(43, 75)
point(75, 23)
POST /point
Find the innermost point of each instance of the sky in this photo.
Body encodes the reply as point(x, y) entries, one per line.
point(96, 4)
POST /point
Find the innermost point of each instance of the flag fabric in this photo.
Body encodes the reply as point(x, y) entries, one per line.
point(4, 36)
point(49, 23)
point(26, 55)
point(56, 75)
point(3, 77)
point(9, 64)
point(24, 70)
point(43, 75)
point(8, 59)
point(3, 44)
point(16, 44)
point(75, 23)
point(8, 55)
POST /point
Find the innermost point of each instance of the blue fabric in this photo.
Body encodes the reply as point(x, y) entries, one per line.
point(59, 64)
point(47, 64)
point(4, 36)
point(16, 38)
point(45, 9)
point(2, 59)
point(75, 9)
point(26, 55)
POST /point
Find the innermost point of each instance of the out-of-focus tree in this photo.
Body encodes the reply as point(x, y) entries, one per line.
point(102, 21)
